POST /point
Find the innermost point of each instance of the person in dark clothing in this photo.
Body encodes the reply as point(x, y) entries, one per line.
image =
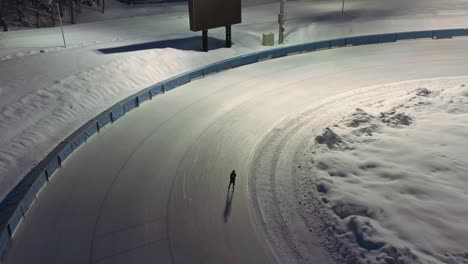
point(233, 179)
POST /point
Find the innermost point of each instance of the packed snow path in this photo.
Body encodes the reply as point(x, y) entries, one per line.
point(153, 186)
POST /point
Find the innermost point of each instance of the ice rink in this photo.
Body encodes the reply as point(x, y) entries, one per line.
point(153, 187)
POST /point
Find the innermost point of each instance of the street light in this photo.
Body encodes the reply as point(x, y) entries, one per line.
point(281, 20)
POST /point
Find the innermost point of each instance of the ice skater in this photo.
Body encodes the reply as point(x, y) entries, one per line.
point(233, 180)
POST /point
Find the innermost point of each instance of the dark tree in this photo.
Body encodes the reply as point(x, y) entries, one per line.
point(71, 8)
point(41, 13)
point(3, 21)
point(19, 9)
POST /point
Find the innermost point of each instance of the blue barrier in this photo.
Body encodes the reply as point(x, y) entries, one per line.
point(169, 84)
point(15, 220)
point(196, 74)
point(423, 34)
point(28, 199)
point(307, 47)
point(212, 68)
point(117, 111)
point(244, 60)
point(31, 187)
point(459, 32)
point(11, 211)
point(183, 79)
point(372, 39)
point(90, 128)
point(19, 200)
point(449, 33)
point(223, 65)
point(336, 43)
point(143, 96)
point(130, 104)
point(103, 120)
point(264, 55)
point(80, 137)
point(385, 38)
point(3, 241)
point(405, 35)
point(78, 140)
point(293, 50)
point(355, 41)
point(67, 150)
point(278, 53)
point(156, 89)
point(442, 34)
point(175, 82)
point(52, 166)
point(414, 35)
point(41, 180)
point(322, 45)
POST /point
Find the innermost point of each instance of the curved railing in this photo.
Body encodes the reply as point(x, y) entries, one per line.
point(16, 204)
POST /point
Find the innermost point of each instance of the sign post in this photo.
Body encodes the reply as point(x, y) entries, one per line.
point(205, 39)
point(228, 36)
point(209, 14)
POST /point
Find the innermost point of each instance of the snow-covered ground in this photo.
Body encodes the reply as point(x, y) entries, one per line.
point(379, 176)
point(391, 177)
point(306, 21)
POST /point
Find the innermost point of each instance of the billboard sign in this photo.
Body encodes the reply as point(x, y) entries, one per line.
point(208, 14)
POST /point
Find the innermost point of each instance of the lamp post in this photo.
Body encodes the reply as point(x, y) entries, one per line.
point(281, 20)
point(61, 26)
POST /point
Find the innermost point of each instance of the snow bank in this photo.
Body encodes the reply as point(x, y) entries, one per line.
point(34, 124)
point(391, 178)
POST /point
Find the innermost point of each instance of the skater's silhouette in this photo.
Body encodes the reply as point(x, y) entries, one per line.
point(233, 180)
point(227, 207)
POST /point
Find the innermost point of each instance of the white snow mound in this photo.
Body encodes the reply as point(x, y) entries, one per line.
point(394, 178)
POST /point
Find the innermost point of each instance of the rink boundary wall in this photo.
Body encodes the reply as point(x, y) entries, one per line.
point(18, 201)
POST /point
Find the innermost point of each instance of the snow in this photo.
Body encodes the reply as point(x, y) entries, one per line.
point(392, 176)
point(306, 21)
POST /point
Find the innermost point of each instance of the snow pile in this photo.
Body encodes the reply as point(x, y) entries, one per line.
point(32, 125)
point(392, 179)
